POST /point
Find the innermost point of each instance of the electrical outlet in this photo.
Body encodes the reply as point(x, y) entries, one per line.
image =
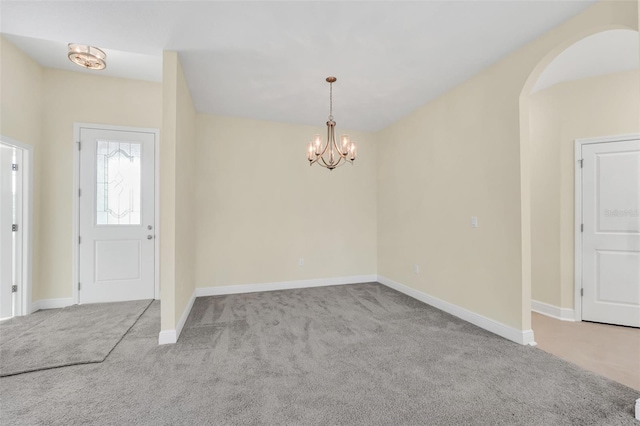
point(474, 221)
point(416, 269)
point(301, 261)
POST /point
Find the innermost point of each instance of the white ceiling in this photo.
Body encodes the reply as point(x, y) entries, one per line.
point(602, 53)
point(268, 60)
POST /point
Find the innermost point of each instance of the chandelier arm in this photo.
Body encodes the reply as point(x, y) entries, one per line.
point(325, 145)
point(331, 141)
point(335, 144)
point(339, 163)
point(332, 166)
point(325, 164)
point(324, 150)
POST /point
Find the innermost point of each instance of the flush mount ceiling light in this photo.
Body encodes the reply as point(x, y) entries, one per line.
point(329, 154)
point(87, 56)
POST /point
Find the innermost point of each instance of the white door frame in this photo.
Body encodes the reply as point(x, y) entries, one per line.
point(577, 247)
point(76, 201)
point(23, 306)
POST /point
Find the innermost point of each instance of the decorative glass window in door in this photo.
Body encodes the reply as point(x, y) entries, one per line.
point(118, 179)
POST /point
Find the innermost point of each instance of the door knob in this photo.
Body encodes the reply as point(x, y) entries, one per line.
point(149, 227)
point(149, 237)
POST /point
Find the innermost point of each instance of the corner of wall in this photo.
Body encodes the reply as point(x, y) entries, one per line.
point(177, 198)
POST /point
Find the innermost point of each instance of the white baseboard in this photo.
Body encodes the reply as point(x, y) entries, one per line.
point(51, 304)
point(564, 314)
point(523, 337)
point(167, 337)
point(284, 285)
point(638, 409)
point(171, 336)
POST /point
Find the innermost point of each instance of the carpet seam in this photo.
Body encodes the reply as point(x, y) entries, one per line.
point(127, 332)
point(71, 364)
point(83, 362)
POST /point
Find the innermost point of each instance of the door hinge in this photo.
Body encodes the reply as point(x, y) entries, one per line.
point(582, 227)
point(79, 145)
point(581, 292)
point(79, 239)
point(14, 167)
point(79, 286)
point(14, 227)
point(581, 161)
point(14, 288)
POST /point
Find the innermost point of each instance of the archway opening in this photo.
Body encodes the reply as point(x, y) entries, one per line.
point(585, 90)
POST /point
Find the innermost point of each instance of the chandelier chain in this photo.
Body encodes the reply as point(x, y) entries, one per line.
point(330, 101)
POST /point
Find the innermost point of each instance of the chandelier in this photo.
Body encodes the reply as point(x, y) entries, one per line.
point(330, 154)
point(87, 56)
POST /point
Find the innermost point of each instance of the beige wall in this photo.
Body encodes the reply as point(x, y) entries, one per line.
point(607, 105)
point(177, 175)
point(39, 107)
point(455, 158)
point(70, 97)
point(260, 207)
point(21, 82)
point(461, 156)
point(20, 89)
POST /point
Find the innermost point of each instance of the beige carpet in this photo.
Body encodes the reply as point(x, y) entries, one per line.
point(610, 350)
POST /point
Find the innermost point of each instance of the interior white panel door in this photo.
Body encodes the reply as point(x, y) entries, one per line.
point(611, 235)
point(6, 237)
point(117, 228)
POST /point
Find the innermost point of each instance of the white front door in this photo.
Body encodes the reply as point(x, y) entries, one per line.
point(117, 211)
point(611, 234)
point(10, 229)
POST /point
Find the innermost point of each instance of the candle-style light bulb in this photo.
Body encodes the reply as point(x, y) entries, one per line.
point(310, 151)
point(353, 151)
point(345, 144)
point(317, 143)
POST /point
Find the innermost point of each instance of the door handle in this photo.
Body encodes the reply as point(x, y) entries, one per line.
point(149, 237)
